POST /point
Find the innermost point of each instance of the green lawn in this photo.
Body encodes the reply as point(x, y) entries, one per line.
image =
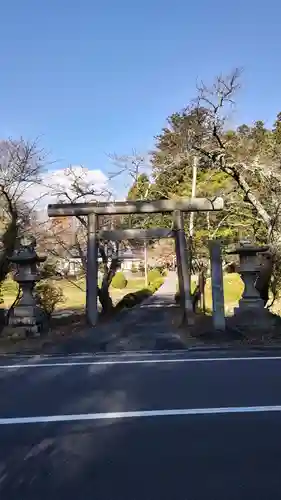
point(74, 293)
point(233, 288)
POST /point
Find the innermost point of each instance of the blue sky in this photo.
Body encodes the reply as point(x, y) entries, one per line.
point(92, 78)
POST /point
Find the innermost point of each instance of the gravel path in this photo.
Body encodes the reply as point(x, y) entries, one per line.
point(148, 326)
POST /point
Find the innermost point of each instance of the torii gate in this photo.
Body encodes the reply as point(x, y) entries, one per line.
point(93, 210)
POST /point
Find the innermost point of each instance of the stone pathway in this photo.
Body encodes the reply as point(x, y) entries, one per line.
point(152, 324)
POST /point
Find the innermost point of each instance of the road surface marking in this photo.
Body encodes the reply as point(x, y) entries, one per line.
point(136, 362)
point(97, 355)
point(138, 414)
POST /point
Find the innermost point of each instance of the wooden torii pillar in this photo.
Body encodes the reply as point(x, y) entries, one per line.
point(93, 210)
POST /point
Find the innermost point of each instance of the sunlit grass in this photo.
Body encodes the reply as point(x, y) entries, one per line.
point(233, 288)
point(74, 292)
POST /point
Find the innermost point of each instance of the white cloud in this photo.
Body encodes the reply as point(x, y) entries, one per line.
point(58, 181)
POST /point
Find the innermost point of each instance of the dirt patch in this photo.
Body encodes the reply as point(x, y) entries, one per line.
point(71, 330)
point(245, 330)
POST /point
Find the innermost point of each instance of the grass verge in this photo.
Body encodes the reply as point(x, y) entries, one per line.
point(74, 292)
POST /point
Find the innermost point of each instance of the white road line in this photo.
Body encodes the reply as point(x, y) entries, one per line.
point(124, 354)
point(93, 356)
point(138, 414)
point(136, 362)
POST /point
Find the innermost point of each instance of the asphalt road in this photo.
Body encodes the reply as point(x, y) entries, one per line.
point(140, 427)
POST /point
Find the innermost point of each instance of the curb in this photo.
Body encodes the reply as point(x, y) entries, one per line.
point(238, 347)
point(166, 352)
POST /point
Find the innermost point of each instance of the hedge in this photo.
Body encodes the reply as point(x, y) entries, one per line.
point(134, 298)
point(156, 284)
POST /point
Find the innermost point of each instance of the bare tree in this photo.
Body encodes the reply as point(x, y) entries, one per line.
point(252, 164)
point(217, 101)
point(132, 165)
point(80, 189)
point(21, 166)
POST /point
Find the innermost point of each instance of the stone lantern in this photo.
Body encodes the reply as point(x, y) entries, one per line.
point(249, 269)
point(26, 316)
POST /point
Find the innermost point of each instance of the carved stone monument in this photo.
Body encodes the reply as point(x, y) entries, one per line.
point(217, 285)
point(26, 317)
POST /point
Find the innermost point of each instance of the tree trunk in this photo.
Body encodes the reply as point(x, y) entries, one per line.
point(9, 242)
point(199, 290)
point(103, 291)
point(104, 298)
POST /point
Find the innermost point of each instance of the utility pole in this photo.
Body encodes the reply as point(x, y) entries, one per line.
point(145, 263)
point(193, 194)
point(191, 221)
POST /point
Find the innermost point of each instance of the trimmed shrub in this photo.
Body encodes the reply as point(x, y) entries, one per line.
point(119, 281)
point(48, 270)
point(153, 275)
point(132, 299)
point(49, 296)
point(134, 269)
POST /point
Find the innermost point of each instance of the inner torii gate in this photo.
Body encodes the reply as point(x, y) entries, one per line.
point(94, 210)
